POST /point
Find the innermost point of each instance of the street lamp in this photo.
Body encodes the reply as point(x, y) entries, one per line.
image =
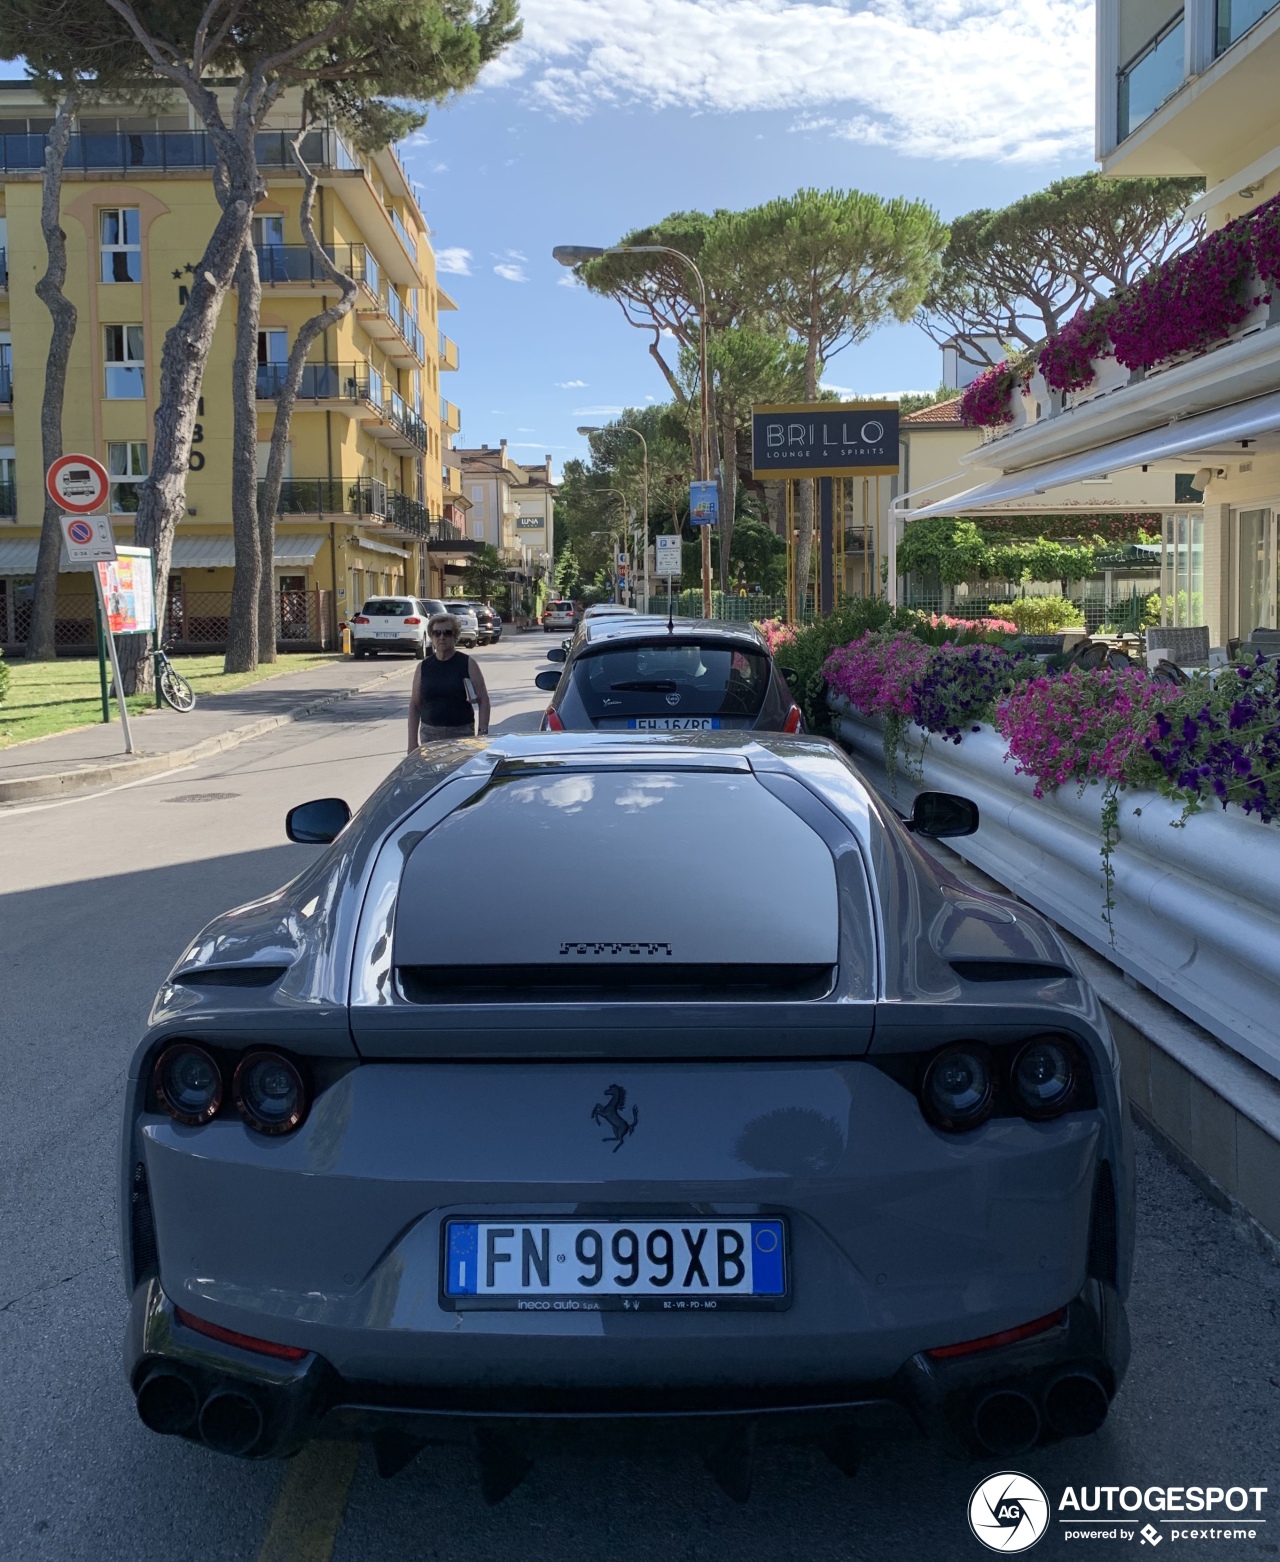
point(576, 255)
point(644, 483)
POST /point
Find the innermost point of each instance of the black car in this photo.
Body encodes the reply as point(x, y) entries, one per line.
point(648, 675)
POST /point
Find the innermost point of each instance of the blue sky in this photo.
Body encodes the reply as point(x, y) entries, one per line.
point(612, 113)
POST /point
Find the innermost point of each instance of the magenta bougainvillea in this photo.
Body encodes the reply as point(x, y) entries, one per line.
point(1186, 304)
point(1067, 360)
point(986, 403)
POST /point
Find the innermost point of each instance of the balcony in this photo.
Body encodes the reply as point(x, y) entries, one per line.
point(284, 265)
point(322, 382)
point(1234, 18)
point(6, 385)
point(448, 353)
point(406, 238)
point(171, 151)
point(4, 269)
point(320, 496)
point(1151, 78)
point(387, 321)
point(408, 515)
point(8, 499)
point(450, 417)
point(397, 424)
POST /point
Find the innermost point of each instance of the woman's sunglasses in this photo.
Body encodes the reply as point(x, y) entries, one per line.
point(443, 634)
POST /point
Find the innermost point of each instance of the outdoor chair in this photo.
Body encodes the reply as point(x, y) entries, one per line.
point(1185, 647)
point(1265, 640)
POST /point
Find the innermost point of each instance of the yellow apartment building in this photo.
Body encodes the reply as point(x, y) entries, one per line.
point(368, 504)
point(511, 508)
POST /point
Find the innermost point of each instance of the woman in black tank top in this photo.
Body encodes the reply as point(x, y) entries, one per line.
point(439, 705)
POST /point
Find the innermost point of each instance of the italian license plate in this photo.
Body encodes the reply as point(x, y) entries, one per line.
point(673, 724)
point(675, 1265)
point(385, 634)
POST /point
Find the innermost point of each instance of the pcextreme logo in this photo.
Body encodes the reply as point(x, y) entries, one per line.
point(1010, 1512)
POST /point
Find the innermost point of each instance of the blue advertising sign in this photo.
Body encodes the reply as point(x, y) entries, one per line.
point(704, 504)
point(825, 439)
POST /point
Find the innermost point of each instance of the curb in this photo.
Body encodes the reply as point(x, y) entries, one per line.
point(63, 783)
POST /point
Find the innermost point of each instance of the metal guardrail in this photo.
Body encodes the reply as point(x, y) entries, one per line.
point(332, 496)
point(6, 385)
point(320, 381)
point(8, 499)
point(279, 263)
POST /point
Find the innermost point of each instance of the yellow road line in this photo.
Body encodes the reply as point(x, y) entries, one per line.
point(308, 1512)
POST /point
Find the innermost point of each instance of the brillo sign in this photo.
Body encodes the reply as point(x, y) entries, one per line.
point(825, 439)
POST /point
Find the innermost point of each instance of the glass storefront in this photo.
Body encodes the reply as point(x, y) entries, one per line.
point(1182, 571)
point(1253, 571)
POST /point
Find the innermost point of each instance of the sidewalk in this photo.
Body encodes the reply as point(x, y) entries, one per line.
point(165, 739)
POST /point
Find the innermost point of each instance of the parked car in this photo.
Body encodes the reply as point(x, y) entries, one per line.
point(609, 610)
point(820, 1128)
point(488, 621)
point(468, 623)
point(560, 615)
point(390, 624)
point(636, 675)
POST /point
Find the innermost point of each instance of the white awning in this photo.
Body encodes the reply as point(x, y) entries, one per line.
point(1244, 420)
point(384, 547)
point(18, 554)
point(220, 552)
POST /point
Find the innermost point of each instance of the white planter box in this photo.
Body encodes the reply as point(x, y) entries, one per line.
point(1108, 375)
point(1197, 909)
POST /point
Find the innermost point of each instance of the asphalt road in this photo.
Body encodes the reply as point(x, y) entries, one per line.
point(97, 896)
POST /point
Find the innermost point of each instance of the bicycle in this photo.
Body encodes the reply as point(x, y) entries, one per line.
point(173, 687)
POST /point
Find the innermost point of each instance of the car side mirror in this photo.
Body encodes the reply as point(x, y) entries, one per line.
point(939, 814)
point(317, 823)
point(557, 653)
point(548, 680)
point(791, 675)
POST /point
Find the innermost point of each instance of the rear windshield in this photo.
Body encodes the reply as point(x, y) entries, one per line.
point(457, 608)
point(664, 678)
point(559, 607)
point(388, 607)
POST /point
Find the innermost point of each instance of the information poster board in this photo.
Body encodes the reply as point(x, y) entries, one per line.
point(667, 556)
point(704, 504)
point(128, 586)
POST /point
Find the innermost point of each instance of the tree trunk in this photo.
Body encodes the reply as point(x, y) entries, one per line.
point(804, 492)
point(242, 631)
point(162, 498)
point(41, 642)
point(728, 487)
point(308, 333)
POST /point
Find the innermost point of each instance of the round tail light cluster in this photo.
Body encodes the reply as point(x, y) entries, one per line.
point(963, 1084)
point(269, 1090)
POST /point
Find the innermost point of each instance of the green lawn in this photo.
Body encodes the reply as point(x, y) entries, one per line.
point(49, 697)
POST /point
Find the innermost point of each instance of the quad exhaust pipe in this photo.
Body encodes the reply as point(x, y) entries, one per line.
point(226, 1420)
point(1009, 1421)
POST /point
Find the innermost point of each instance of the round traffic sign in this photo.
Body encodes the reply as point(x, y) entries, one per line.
point(80, 532)
point(77, 484)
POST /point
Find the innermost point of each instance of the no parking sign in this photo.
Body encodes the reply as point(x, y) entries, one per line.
point(89, 539)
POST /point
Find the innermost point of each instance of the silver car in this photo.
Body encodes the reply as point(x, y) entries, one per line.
point(468, 623)
point(778, 1125)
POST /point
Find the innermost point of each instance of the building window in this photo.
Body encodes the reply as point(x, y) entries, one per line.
point(121, 244)
point(6, 368)
point(126, 466)
point(273, 359)
point(123, 354)
point(268, 232)
point(477, 530)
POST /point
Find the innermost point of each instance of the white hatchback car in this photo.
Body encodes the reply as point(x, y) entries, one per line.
point(391, 624)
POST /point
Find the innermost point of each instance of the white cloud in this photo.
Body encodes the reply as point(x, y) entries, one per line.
point(510, 265)
point(837, 390)
point(1010, 80)
point(571, 384)
point(439, 168)
point(455, 261)
point(597, 412)
point(569, 280)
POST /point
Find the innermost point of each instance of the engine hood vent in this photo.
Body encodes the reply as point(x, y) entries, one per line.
point(630, 983)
